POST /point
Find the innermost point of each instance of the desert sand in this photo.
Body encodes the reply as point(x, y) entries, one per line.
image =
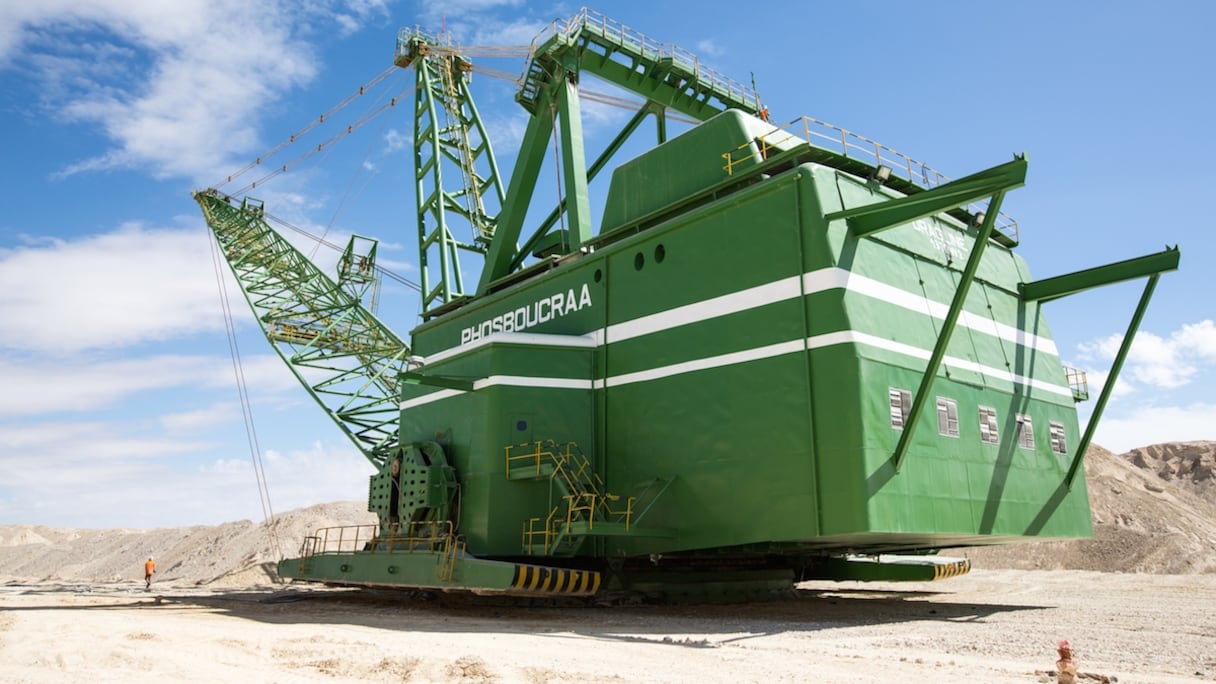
point(1136, 603)
point(990, 626)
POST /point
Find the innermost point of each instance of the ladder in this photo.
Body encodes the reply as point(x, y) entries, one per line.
point(585, 508)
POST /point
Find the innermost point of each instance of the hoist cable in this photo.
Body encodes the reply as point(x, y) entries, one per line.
point(363, 89)
point(327, 143)
point(259, 468)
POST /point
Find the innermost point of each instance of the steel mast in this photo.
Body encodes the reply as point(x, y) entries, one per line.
point(448, 132)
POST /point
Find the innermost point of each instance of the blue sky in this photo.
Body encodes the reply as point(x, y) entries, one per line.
point(119, 408)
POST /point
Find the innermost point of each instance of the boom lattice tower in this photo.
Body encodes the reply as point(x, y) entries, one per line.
point(349, 361)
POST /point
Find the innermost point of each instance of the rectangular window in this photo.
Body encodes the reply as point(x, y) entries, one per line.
point(947, 417)
point(988, 431)
point(1025, 432)
point(901, 403)
point(1056, 430)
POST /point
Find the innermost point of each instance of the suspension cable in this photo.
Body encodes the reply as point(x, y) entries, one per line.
point(363, 164)
point(328, 143)
point(251, 435)
point(337, 248)
point(363, 89)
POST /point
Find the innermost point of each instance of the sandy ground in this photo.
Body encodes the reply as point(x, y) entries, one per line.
point(990, 626)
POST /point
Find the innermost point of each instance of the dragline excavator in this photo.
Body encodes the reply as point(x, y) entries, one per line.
point(781, 353)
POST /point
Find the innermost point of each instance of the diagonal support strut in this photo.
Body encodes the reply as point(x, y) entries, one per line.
point(943, 339)
point(877, 217)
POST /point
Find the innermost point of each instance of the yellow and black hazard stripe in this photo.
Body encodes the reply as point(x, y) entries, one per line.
point(535, 579)
point(953, 569)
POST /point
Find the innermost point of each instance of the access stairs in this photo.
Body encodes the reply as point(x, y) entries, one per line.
point(585, 508)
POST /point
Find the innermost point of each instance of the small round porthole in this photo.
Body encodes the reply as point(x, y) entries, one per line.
point(521, 425)
point(660, 253)
point(599, 275)
point(638, 261)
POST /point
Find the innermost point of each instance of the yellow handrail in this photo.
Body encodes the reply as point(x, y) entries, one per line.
point(849, 144)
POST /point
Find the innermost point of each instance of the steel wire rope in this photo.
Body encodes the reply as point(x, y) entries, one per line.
point(251, 436)
point(363, 89)
point(338, 248)
point(631, 105)
point(327, 143)
point(347, 192)
point(592, 95)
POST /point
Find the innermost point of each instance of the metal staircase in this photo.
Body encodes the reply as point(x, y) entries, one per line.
point(585, 508)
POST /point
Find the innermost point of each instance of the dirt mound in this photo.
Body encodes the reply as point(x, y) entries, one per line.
point(243, 552)
point(1154, 511)
point(1142, 521)
point(1190, 464)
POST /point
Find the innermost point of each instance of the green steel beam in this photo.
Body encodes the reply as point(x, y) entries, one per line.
point(408, 566)
point(1061, 286)
point(660, 120)
point(593, 171)
point(413, 378)
point(574, 165)
point(888, 568)
point(590, 43)
point(660, 72)
point(448, 131)
point(943, 339)
point(1115, 368)
point(654, 86)
point(872, 218)
point(519, 194)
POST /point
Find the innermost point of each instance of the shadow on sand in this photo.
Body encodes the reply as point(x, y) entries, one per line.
point(820, 607)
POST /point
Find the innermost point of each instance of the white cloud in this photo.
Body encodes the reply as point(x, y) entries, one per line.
point(514, 32)
point(1143, 426)
point(94, 475)
point(1164, 362)
point(322, 472)
point(437, 11)
point(83, 445)
point(198, 419)
point(197, 73)
point(1198, 338)
point(130, 286)
point(45, 386)
point(109, 290)
point(50, 387)
point(599, 116)
point(507, 132)
point(482, 22)
point(396, 140)
point(708, 48)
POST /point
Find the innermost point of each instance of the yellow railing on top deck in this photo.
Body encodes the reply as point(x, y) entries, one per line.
point(844, 142)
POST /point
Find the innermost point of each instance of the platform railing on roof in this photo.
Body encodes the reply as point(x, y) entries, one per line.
point(853, 146)
point(616, 33)
point(1078, 383)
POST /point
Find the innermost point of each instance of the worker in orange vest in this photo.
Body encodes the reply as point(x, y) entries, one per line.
point(149, 570)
